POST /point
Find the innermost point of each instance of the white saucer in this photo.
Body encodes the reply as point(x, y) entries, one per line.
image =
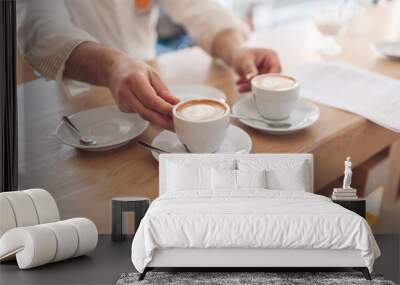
point(186, 92)
point(107, 125)
point(389, 49)
point(303, 115)
point(236, 141)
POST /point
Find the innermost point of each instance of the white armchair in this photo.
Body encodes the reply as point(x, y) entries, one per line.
point(31, 230)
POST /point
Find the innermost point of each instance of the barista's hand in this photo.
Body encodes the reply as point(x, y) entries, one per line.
point(248, 62)
point(137, 87)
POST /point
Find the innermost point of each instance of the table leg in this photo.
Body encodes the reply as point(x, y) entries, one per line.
point(140, 211)
point(391, 194)
point(117, 234)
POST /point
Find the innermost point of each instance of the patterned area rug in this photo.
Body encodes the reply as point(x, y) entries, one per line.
point(243, 278)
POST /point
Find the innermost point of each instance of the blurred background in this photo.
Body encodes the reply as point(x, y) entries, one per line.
point(382, 209)
point(262, 15)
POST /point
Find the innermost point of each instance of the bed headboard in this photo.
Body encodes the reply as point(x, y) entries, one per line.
point(219, 159)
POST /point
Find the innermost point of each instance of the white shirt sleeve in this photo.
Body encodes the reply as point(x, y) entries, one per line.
point(203, 19)
point(46, 37)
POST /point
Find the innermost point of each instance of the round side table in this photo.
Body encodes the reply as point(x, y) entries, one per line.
point(138, 205)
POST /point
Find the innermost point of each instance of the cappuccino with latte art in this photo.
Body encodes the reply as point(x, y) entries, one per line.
point(274, 82)
point(201, 124)
point(201, 110)
point(275, 95)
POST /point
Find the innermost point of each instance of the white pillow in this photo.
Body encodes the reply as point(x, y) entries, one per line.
point(289, 175)
point(296, 180)
point(227, 179)
point(223, 179)
point(251, 178)
point(181, 177)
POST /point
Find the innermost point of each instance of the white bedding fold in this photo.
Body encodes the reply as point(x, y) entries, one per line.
point(250, 219)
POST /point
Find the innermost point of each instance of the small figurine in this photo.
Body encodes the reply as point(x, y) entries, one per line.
point(347, 173)
point(346, 192)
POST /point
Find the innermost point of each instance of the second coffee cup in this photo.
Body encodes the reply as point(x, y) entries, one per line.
point(201, 124)
point(275, 95)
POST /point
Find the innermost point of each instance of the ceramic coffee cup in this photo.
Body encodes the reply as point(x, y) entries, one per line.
point(275, 95)
point(201, 124)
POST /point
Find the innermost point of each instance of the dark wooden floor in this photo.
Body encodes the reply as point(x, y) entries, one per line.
point(110, 260)
point(103, 266)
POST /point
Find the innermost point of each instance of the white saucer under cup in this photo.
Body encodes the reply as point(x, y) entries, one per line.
point(236, 141)
point(389, 49)
point(303, 115)
point(108, 126)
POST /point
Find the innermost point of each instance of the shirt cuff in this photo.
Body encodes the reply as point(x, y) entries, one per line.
point(52, 67)
point(70, 87)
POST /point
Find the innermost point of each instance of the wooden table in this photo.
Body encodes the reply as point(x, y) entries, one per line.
point(83, 183)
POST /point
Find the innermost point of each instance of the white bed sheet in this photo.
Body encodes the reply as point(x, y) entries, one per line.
point(252, 218)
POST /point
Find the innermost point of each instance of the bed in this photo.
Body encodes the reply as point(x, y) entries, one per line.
point(246, 211)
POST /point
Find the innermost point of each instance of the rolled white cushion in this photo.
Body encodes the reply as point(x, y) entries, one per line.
point(87, 235)
point(67, 240)
point(7, 218)
point(45, 205)
point(34, 245)
point(37, 245)
point(23, 208)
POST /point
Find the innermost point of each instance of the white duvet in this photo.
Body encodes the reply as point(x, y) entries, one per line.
point(250, 219)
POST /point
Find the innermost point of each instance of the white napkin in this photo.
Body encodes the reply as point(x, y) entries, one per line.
point(373, 96)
